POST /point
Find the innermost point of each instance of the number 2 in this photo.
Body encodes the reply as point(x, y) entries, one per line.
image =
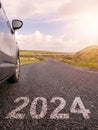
point(13, 114)
point(55, 114)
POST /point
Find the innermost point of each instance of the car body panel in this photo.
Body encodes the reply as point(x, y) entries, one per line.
point(8, 47)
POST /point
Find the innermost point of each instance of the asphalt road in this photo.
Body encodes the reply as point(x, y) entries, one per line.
point(45, 86)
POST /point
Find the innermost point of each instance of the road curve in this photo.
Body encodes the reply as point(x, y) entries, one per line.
point(51, 79)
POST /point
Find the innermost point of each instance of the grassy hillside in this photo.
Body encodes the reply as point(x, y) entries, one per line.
point(87, 57)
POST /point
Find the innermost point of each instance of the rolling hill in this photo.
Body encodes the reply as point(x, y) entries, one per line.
point(88, 57)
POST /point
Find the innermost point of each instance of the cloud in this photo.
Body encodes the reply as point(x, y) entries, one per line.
point(62, 17)
point(48, 10)
point(32, 8)
point(41, 41)
point(78, 6)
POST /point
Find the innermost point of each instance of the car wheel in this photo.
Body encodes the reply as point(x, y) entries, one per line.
point(15, 77)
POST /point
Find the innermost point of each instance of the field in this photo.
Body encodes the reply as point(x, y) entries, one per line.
point(87, 57)
point(27, 57)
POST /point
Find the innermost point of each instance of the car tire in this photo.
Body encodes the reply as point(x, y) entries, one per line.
point(15, 77)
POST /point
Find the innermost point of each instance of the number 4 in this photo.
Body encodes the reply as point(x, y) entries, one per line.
point(81, 109)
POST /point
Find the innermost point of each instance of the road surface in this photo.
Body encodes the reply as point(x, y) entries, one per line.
point(50, 96)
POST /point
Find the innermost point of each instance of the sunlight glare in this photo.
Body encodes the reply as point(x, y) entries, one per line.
point(88, 24)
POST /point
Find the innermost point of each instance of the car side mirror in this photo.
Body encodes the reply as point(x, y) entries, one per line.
point(17, 24)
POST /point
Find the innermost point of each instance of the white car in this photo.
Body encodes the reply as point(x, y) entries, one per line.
point(9, 51)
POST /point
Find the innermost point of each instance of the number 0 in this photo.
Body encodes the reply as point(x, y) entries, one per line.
point(43, 112)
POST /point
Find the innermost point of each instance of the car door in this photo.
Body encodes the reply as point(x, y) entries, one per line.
point(12, 43)
point(7, 45)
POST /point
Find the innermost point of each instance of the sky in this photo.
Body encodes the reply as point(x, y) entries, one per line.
point(55, 25)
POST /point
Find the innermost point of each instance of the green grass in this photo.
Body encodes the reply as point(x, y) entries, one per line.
point(29, 60)
point(85, 64)
point(87, 57)
point(27, 57)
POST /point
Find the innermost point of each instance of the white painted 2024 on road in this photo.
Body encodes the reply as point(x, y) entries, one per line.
point(14, 114)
